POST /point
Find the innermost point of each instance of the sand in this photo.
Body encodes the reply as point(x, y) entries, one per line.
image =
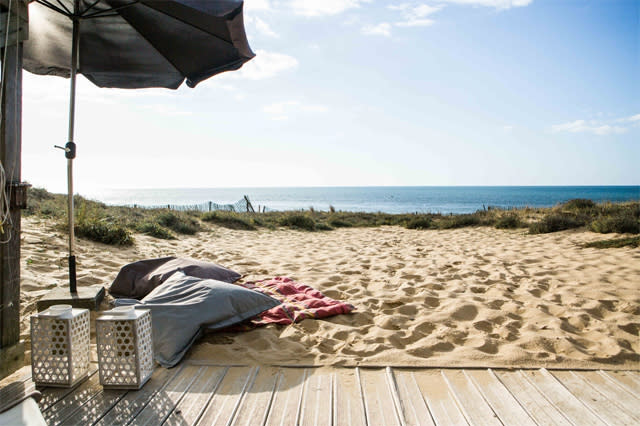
point(477, 297)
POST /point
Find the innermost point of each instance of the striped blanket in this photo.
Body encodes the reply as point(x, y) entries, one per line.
point(299, 301)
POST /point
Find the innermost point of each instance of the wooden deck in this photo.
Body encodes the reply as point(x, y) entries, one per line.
point(203, 394)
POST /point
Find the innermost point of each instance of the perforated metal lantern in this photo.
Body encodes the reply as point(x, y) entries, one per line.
point(60, 346)
point(125, 348)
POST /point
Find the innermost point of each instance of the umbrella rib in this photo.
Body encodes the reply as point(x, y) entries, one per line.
point(90, 7)
point(146, 3)
point(45, 3)
point(102, 13)
point(64, 7)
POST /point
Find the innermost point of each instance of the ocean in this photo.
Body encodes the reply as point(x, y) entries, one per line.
point(387, 199)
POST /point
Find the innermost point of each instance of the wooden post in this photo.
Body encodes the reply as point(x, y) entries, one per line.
point(10, 156)
point(13, 26)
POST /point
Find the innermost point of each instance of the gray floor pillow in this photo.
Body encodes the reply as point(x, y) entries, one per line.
point(182, 305)
point(137, 279)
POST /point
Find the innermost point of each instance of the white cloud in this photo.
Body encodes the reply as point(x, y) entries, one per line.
point(401, 6)
point(582, 126)
point(261, 26)
point(280, 110)
point(253, 5)
point(315, 108)
point(632, 119)
point(423, 10)
point(498, 4)
point(214, 84)
point(324, 7)
point(416, 15)
point(265, 65)
point(278, 107)
point(167, 110)
point(383, 29)
point(416, 23)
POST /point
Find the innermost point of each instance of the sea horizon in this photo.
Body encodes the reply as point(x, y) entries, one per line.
point(386, 199)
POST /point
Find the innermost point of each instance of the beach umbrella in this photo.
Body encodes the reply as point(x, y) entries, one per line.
point(131, 44)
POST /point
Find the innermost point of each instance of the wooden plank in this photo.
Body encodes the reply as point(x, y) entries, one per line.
point(317, 405)
point(623, 379)
point(194, 402)
point(475, 408)
point(224, 403)
point(635, 375)
point(508, 409)
point(133, 402)
point(413, 406)
point(257, 400)
point(68, 405)
point(378, 398)
point(287, 397)
point(591, 395)
point(51, 395)
point(163, 402)
point(95, 408)
point(627, 401)
point(561, 398)
point(540, 410)
point(437, 395)
point(16, 390)
point(349, 405)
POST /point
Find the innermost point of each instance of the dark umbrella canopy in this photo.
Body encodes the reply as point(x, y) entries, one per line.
point(131, 44)
point(138, 44)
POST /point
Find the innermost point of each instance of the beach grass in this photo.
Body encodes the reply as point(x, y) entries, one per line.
point(231, 220)
point(615, 243)
point(116, 225)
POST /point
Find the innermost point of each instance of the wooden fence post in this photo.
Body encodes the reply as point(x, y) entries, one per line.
point(11, 348)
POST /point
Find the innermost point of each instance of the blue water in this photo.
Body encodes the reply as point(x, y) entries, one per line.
point(403, 199)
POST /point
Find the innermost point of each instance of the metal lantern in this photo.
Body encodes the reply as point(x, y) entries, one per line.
point(60, 346)
point(125, 347)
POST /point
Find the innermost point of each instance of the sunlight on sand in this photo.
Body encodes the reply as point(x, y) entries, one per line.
point(466, 297)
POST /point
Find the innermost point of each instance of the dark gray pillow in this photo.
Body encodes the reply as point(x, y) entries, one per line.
point(182, 305)
point(137, 279)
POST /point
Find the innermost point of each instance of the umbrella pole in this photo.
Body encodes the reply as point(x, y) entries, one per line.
point(70, 149)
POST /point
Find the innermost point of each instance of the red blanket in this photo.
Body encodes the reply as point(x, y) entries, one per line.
point(299, 301)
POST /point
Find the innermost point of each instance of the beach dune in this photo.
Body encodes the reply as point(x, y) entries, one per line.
point(468, 297)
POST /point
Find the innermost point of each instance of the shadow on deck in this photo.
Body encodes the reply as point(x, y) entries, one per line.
point(199, 393)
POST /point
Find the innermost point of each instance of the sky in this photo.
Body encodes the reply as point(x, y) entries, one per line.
point(370, 93)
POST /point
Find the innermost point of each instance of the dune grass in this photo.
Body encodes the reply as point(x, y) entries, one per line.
point(230, 220)
point(615, 243)
point(116, 225)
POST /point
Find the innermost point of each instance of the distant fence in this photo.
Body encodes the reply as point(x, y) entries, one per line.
point(243, 205)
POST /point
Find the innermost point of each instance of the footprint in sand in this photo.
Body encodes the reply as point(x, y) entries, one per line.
point(489, 346)
point(408, 291)
point(412, 277)
point(631, 328)
point(465, 313)
point(483, 325)
point(388, 323)
point(409, 310)
point(442, 347)
point(425, 328)
point(432, 302)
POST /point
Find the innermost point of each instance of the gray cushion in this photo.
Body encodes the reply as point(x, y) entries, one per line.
point(137, 279)
point(182, 305)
